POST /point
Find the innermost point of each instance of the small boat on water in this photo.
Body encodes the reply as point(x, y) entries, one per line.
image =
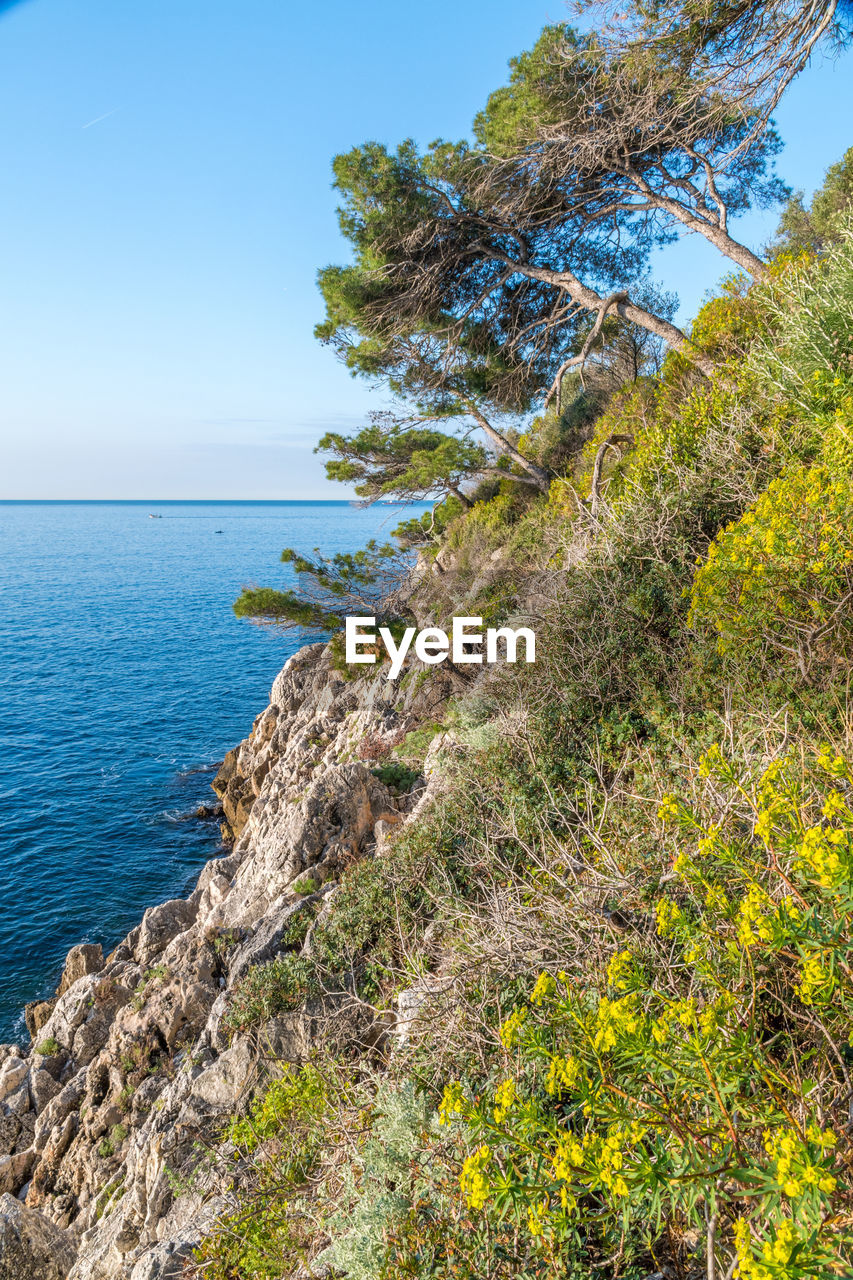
point(152, 516)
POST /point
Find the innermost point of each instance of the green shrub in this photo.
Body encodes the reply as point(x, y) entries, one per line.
point(268, 989)
point(698, 1079)
point(396, 776)
point(253, 1243)
point(282, 1135)
point(300, 1094)
point(805, 359)
point(780, 579)
point(379, 1185)
point(305, 885)
point(47, 1048)
point(412, 750)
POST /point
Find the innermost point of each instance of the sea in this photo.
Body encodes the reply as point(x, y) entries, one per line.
point(124, 679)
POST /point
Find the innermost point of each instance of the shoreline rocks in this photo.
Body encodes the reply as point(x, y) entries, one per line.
point(130, 1066)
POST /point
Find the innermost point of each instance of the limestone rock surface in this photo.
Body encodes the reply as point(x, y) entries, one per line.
point(132, 1070)
point(31, 1247)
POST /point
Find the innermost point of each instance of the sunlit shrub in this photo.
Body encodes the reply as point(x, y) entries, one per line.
point(268, 989)
point(701, 1081)
point(299, 1094)
point(780, 579)
point(808, 361)
point(282, 1136)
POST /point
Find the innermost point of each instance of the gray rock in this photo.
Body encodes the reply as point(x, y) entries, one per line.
point(31, 1246)
point(53, 1063)
point(382, 832)
point(160, 925)
point(413, 1005)
point(266, 940)
point(82, 960)
point(65, 1104)
point(91, 1002)
point(17, 1103)
point(36, 1014)
point(15, 1170)
point(13, 1074)
point(333, 819)
point(286, 1038)
point(227, 1080)
point(165, 1261)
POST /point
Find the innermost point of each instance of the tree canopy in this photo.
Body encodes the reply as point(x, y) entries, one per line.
point(403, 459)
point(809, 229)
point(485, 271)
point(742, 50)
point(628, 130)
point(470, 284)
point(371, 581)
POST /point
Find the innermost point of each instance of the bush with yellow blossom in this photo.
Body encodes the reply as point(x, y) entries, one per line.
point(702, 1085)
point(780, 580)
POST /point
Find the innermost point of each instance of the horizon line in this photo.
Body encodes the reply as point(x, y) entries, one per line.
point(161, 502)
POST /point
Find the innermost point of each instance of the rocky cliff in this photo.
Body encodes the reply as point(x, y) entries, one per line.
point(132, 1071)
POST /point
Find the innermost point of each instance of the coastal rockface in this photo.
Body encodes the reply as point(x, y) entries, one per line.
point(132, 1072)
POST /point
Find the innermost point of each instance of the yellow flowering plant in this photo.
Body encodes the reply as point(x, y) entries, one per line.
point(780, 580)
point(705, 1078)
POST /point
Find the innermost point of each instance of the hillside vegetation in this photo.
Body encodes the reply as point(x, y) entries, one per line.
point(622, 918)
point(633, 891)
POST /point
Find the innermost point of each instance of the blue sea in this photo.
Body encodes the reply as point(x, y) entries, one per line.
point(124, 679)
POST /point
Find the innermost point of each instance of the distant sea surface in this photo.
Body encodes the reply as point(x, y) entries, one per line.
point(124, 679)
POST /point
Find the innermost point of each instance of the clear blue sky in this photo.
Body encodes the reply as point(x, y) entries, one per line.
point(166, 203)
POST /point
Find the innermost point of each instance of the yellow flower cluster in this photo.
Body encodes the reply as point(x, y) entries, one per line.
point(668, 917)
point(795, 1170)
point(474, 1180)
point(775, 1253)
point(662, 1026)
point(816, 982)
point(785, 564)
point(683, 864)
point(668, 809)
point(825, 852)
point(681, 1012)
point(614, 1019)
point(619, 970)
point(756, 917)
point(511, 1029)
point(832, 763)
point(610, 1161)
point(716, 900)
point(824, 1138)
point(505, 1097)
point(611, 1153)
point(535, 1216)
point(714, 1014)
point(562, 1075)
point(452, 1103)
point(776, 806)
point(568, 1157)
point(712, 760)
point(543, 990)
point(676, 1013)
point(835, 808)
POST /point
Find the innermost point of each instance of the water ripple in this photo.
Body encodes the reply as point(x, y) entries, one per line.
point(124, 677)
